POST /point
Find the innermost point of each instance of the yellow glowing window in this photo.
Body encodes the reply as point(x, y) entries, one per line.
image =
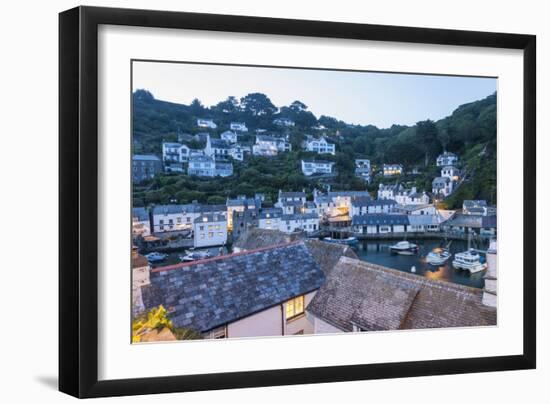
point(294, 307)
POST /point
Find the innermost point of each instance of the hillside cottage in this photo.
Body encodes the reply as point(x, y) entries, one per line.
point(171, 152)
point(206, 123)
point(262, 292)
point(320, 146)
point(145, 167)
point(411, 197)
point(287, 122)
point(363, 169)
point(223, 169)
point(306, 222)
point(450, 172)
point(209, 230)
point(442, 186)
point(446, 159)
point(217, 148)
point(202, 166)
point(390, 170)
point(238, 126)
point(229, 136)
point(389, 191)
point(311, 167)
point(265, 146)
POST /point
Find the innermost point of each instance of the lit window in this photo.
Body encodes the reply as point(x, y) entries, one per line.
point(294, 307)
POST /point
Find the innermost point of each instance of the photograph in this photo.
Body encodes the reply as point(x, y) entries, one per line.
point(275, 201)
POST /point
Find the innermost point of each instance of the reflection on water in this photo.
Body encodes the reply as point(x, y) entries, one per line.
point(378, 252)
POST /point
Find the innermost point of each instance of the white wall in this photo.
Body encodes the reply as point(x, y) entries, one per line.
point(29, 32)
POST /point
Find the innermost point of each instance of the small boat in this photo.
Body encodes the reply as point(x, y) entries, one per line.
point(438, 256)
point(155, 256)
point(348, 241)
point(404, 248)
point(469, 260)
point(195, 256)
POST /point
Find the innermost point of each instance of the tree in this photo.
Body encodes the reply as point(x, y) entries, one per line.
point(196, 107)
point(258, 104)
point(298, 106)
point(229, 106)
point(427, 135)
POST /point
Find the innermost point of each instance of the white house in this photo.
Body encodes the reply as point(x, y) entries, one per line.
point(202, 166)
point(364, 206)
point(270, 219)
point(217, 148)
point(390, 170)
point(237, 152)
point(320, 146)
point(265, 146)
point(229, 136)
point(284, 122)
point(411, 197)
point(442, 186)
point(223, 169)
point(342, 200)
point(363, 169)
point(206, 123)
point(141, 224)
point(325, 205)
point(167, 218)
point(171, 152)
point(238, 126)
point(307, 222)
point(450, 172)
point(310, 167)
point(290, 197)
point(209, 230)
point(389, 191)
point(446, 159)
point(283, 145)
point(422, 209)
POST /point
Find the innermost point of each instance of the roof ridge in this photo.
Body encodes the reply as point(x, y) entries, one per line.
point(228, 256)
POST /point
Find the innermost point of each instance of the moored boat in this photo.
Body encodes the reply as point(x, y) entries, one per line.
point(469, 260)
point(438, 256)
point(195, 256)
point(404, 248)
point(155, 256)
point(348, 240)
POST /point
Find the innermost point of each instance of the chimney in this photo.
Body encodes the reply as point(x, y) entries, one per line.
point(490, 289)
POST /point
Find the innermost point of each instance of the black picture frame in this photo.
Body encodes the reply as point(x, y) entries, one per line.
point(78, 195)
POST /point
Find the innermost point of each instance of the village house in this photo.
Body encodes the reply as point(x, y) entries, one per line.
point(145, 167)
point(184, 137)
point(389, 191)
point(442, 186)
point(366, 205)
point(307, 222)
point(411, 197)
point(223, 169)
point(269, 219)
point(238, 126)
point(209, 229)
point(262, 292)
point(289, 197)
point(478, 207)
point(361, 296)
point(380, 223)
point(229, 136)
point(141, 222)
point(173, 168)
point(287, 122)
point(206, 123)
point(265, 146)
point(423, 223)
point(202, 166)
point(181, 217)
point(450, 172)
point(325, 205)
point(171, 152)
point(311, 167)
point(217, 148)
point(291, 207)
point(243, 221)
point(475, 224)
point(185, 152)
point(363, 169)
point(390, 170)
point(320, 146)
point(237, 152)
point(420, 209)
point(240, 204)
point(342, 200)
point(446, 159)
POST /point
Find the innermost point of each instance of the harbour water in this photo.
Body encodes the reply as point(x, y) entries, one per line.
point(378, 252)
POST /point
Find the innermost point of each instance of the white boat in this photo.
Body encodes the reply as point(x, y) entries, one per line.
point(195, 256)
point(469, 260)
point(438, 256)
point(349, 240)
point(155, 256)
point(404, 248)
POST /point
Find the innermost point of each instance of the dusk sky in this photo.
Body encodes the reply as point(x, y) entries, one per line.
point(380, 99)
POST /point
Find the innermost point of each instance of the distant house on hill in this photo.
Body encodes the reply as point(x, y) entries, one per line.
point(262, 292)
point(283, 122)
point(442, 186)
point(389, 170)
point(311, 167)
point(446, 159)
point(450, 172)
point(238, 126)
point(202, 166)
point(206, 123)
point(145, 167)
point(171, 152)
point(361, 296)
point(320, 146)
point(229, 136)
point(363, 169)
point(217, 148)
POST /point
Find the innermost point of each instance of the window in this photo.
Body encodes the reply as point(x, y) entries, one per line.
point(294, 307)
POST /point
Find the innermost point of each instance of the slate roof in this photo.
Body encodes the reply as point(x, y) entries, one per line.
point(327, 255)
point(325, 162)
point(292, 195)
point(219, 144)
point(350, 194)
point(363, 201)
point(210, 218)
point(380, 219)
point(260, 238)
point(171, 144)
point(424, 220)
point(461, 220)
point(378, 298)
point(141, 214)
point(206, 294)
point(469, 203)
point(271, 213)
point(187, 208)
point(489, 221)
point(440, 181)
